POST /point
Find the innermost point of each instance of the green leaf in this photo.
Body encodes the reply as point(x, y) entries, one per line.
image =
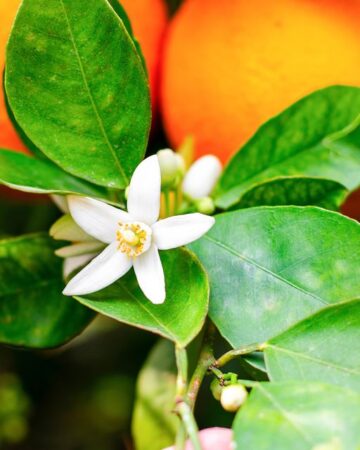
point(120, 11)
point(154, 424)
point(182, 315)
point(324, 347)
point(80, 97)
point(256, 360)
point(296, 142)
point(299, 191)
point(33, 312)
point(20, 132)
point(29, 174)
point(270, 267)
point(298, 416)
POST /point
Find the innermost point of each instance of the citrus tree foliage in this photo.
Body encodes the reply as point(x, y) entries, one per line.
point(277, 276)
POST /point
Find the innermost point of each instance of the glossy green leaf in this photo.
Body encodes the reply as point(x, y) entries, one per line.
point(324, 347)
point(28, 174)
point(154, 424)
point(182, 315)
point(33, 312)
point(256, 360)
point(298, 416)
point(120, 11)
point(299, 191)
point(80, 97)
point(299, 142)
point(20, 132)
point(270, 267)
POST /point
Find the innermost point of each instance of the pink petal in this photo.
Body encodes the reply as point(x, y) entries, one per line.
point(212, 439)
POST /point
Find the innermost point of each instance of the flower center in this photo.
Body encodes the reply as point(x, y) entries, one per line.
point(134, 238)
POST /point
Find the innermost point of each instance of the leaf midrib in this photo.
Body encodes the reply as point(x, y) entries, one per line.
point(91, 98)
point(313, 359)
point(285, 414)
point(264, 269)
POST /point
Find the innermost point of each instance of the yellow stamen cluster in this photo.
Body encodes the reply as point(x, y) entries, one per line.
point(131, 238)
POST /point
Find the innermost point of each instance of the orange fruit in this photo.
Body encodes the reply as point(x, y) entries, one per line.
point(149, 19)
point(230, 65)
point(8, 136)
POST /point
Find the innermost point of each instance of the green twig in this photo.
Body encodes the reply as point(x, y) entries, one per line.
point(180, 438)
point(182, 377)
point(232, 354)
point(206, 359)
point(190, 425)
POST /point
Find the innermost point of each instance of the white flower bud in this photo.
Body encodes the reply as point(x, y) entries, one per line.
point(172, 167)
point(202, 176)
point(232, 397)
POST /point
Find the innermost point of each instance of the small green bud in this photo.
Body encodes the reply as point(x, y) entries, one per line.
point(232, 397)
point(205, 205)
point(172, 167)
point(216, 389)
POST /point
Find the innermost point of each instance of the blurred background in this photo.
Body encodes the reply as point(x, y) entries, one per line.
point(80, 397)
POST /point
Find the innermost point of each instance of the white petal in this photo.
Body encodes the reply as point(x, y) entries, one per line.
point(81, 248)
point(66, 229)
point(202, 176)
point(144, 191)
point(75, 262)
point(150, 275)
point(106, 268)
point(98, 219)
point(180, 230)
point(60, 202)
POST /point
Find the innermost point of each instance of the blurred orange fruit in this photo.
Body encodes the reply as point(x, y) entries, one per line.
point(230, 65)
point(149, 19)
point(8, 137)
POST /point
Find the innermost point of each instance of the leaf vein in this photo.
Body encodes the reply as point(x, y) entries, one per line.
point(264, 269)
point(91, 98)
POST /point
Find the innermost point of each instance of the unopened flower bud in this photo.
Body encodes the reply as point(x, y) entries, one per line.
point(172, 168)
point(232, 397)
point(202, 176)
point(205, 205)
point(216, 389)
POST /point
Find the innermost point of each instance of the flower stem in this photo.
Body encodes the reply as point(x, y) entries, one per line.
point(232, 354)
point(167, 203)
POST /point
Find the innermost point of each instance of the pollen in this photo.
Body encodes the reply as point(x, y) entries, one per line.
point(134, 238)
